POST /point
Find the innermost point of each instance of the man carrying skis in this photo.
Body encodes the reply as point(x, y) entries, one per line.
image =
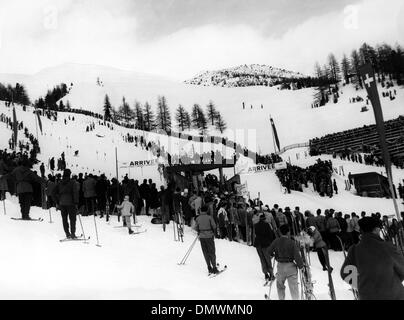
point(205, 226)
point(66, 196)
point(127, 209)
point(288, 257)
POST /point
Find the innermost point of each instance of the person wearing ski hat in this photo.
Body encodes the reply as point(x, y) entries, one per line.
point(287, 255)
point(66, 196)
point(320, 246)
point(264, 236)
point(374, 266)
point(205, 226)
point(127, 208)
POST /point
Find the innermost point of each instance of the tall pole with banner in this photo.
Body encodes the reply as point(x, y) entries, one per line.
point(369, 79)
point(117, 176)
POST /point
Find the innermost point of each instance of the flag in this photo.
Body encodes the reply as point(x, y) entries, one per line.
point(275, 134)
point(39, 120)
point(15, 128)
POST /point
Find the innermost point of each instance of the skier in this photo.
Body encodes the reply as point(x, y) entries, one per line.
point(376, 278)
point(264, 236)
point(127, 209)
point(66, 195)
point(320, 246)
point(288, 257)
point(205, 226)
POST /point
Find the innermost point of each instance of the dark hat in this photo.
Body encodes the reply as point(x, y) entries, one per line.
point(368, 224)
point(262, 217)
point(287, 209)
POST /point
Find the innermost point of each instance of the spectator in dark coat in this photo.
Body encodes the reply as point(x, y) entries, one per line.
point(66, 195)
point(165, 206)
point(24, 177)
point(144, 191)
point(90, 193)
point(101, 188)
point(378, 266)
point(264, 235)
point(50, 186)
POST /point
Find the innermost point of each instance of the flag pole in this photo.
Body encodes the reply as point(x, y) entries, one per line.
point(273, 136)
point(369, 79)
point(36, 125)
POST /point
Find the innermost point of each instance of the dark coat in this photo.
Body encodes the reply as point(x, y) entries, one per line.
point(24, 178)
point(205, 226)
point(263, 234)
point(380, 267)
point(66, 193)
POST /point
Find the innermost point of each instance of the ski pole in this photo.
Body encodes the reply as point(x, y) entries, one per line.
point(50, 216)
point(4, 206)
point(189, 252)
point(96, 231)
point(82, 229)
point(270, 285)
point(184, 259)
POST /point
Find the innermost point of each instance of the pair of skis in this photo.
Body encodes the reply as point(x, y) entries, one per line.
point(79, 238)
point(30, 219)
point(138, 232)
point(214, 275)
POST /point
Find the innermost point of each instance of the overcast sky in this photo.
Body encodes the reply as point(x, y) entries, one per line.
point(179, 38)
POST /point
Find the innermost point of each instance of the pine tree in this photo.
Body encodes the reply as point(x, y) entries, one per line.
point(61, 106)
point(317, 70)
point(148, 117)
point(187, 122)
point(20, 95)
point(107, 109)
point(345, 68)
point(220, 123)
point(203, 122)
point(355, 63)
point(163, 115)
point(139, 116)
point(180, 118)
point(199, 119)
point(125, 111)
point(211, 112)
point(195, 116)
point(333, 68)
point(68, 106)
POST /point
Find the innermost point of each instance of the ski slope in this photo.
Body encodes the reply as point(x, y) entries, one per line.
point(97, 148)
point(143, 266)
point(295, 120)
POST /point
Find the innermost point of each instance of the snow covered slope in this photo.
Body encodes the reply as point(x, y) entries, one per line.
point(142, 266)
point(97, 148)
point(291, 110)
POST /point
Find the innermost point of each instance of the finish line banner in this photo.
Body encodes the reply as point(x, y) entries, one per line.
point(261, 168)
point(140, 163)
